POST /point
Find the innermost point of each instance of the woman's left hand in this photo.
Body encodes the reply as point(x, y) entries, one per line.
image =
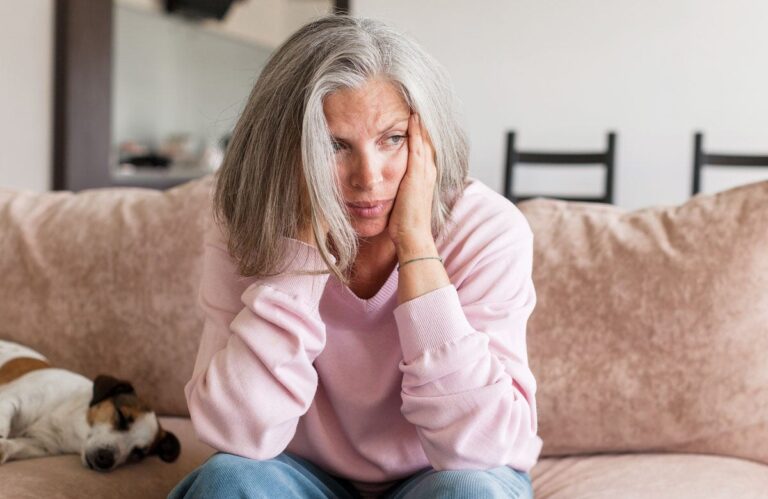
point(410, 222)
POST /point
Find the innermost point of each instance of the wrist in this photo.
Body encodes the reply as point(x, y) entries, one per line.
point(415, 248)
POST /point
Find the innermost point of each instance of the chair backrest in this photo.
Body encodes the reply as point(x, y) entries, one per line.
point(606, 158)
point(702, 159)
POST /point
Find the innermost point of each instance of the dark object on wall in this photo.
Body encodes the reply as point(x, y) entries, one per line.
point(540, 158)
point(700, 159)
point(199, 9)
point(82, 97)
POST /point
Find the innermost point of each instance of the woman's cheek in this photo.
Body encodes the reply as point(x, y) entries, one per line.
point(401, 162)
point(341, 167)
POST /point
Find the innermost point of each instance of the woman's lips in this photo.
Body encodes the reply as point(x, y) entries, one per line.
point(369, 211)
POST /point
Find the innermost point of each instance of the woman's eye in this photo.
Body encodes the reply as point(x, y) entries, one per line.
point(397, 139)
point(337, 146)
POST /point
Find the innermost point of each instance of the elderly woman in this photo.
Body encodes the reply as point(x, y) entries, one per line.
point(365, 300)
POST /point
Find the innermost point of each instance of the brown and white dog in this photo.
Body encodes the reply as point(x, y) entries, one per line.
point(46, 411)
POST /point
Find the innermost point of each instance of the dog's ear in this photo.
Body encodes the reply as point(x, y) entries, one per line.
point(167, 447)
point(106, 386)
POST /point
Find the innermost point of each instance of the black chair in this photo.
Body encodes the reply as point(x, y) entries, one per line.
point(701, 159)
point(515, 157)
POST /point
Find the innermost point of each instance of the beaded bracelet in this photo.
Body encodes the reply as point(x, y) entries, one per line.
point(417, 259)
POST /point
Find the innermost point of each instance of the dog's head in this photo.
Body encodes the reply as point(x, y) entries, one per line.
point(123, 428)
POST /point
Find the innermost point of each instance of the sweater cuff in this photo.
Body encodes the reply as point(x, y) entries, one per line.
point(429, 321)
point(301, 257)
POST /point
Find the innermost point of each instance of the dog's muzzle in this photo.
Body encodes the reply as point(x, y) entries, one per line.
point(100, 460)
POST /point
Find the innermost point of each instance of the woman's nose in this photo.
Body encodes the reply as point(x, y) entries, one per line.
point(368, 171)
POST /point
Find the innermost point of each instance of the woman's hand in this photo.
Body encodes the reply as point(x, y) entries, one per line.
point(410, 222)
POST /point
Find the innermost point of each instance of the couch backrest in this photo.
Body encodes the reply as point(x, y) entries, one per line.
point(651, 327)
point(650, 331)
point(105, 281)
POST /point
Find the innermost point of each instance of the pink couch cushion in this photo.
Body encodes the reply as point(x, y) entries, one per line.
point(644, 476)
point(105, 281)
point(651, 329)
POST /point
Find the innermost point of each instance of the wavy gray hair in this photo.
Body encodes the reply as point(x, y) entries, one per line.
point(281, 151)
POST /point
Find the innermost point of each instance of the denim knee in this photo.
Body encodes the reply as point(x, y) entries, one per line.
point(231, 475)
point(225, 464)
point(474, 483)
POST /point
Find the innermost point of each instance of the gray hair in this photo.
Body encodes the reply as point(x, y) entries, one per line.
point(281, 150)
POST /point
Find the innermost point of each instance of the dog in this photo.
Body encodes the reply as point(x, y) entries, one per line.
point(47, 411)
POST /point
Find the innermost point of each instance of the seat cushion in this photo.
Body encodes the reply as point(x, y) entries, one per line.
point(65, 476)
point(629, 476)
point(651, 329)
point(643, 476)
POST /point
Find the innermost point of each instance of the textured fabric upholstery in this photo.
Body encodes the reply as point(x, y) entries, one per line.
point(651, 329)
point(105, 281)
point(648, 341)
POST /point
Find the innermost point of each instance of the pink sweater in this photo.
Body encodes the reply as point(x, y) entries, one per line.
point(368, 390)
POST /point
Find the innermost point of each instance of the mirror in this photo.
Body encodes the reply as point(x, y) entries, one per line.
point(179, 83)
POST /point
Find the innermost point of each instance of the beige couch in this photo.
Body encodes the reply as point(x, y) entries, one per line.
point(649, 340)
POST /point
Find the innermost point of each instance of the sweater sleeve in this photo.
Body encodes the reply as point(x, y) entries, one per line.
point(253, 376)
point(466, 386)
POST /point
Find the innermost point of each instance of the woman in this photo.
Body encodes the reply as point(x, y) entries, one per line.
point(365, 301)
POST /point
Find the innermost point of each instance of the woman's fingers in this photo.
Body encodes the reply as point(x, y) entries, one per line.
point(415, 142)
point(425, 139)
point(420, 143)
point(411, 215)
point(420, 138)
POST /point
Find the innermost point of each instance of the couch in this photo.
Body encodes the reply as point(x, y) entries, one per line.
point(649, 340)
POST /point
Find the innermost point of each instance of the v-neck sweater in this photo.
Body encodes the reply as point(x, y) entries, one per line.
point(373, 391)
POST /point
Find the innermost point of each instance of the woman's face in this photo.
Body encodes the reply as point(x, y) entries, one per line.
point(369, 128)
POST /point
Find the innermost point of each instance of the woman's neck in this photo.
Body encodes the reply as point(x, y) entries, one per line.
point(376, 259)
point(376, 256)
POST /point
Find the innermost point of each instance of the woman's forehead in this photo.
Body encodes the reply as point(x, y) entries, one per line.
point(370, 108)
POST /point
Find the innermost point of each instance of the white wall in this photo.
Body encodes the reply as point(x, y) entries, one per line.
point(26, 93)
point(564, 72)
point(560, 72)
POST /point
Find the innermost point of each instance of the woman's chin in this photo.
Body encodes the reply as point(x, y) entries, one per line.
point(369, 229)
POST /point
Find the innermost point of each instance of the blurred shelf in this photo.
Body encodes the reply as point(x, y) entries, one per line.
point(155, 178)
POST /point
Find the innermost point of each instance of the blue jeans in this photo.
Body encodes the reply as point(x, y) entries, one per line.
point(290, 476)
